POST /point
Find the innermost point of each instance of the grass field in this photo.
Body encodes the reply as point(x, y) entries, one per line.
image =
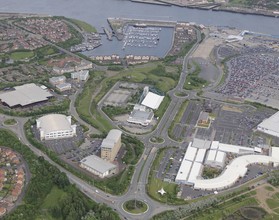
point(135, 206)
point(193, 81)
point(10, 121)
point(155, 184)
point(21, 55)
point(84, 26)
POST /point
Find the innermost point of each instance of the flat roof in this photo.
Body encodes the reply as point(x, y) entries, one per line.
point(271, 123)
point(191, 153)
point(199, 143)
point(152, 100)
point(200, 155)
point(98, 164)
point(195, 172)
point(54, 122)
point(25, 95)
point(236, 169)
point(112, 137)
point(220, 157)
point(183, 172)
point(140, 116)
point(211, 155)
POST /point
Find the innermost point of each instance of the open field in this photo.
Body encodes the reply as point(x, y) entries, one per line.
point(83, 25)
point(21, 55)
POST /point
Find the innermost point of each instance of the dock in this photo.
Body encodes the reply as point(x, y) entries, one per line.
point(108, 33)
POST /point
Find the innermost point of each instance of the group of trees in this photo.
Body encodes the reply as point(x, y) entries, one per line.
point(44, 177)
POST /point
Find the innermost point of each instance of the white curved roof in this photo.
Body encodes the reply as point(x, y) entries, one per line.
point(235, 170)
point(54, 122)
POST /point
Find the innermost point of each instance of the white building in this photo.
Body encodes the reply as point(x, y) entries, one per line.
point(80, 75)
point(97, 166)
point(152, 100)
point(270, 125)
point(55, 126)
point(215, 158)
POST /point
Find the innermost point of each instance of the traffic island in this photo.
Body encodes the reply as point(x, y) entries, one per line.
point(10, 122)
point(156, 140)
point(135, 207)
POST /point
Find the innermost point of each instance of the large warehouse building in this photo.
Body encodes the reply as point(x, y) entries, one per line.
point(55, 126)
point(111, 145)
point(25, 95)
point(270, 125)
point(97, 166)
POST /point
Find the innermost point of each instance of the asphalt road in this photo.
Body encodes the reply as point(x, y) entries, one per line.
point(137, 189)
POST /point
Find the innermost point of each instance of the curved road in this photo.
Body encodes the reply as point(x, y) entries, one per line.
point(137, 189)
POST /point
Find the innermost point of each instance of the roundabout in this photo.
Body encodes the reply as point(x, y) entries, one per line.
point(135, 207)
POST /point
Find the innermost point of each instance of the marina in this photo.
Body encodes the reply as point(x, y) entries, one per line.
point(136, 36)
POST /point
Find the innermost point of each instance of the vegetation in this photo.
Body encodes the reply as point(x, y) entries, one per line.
point(115, 68)
point(211, 208)
point(87, 108)
point(177, 119)
point(117, 184)
point(135, 206)
point(10, 121)
point(270, 4)
point(83, 25)
point(193, 81)
point(49, 193)
point(157, 140)
point(274, 179)
point(210, 172)
point(163, 107)
point(155, 184)
point(21, 55)
point(112, 111)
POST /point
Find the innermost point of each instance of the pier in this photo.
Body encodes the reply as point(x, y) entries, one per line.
point(108, 33)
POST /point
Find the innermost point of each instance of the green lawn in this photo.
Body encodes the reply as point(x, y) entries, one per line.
point(21, 55)
point(269, 188)
point(53, 197)
point(10, 121)
point(155, 184)
point(135, 206)
point(83, 25)
point(193, 81)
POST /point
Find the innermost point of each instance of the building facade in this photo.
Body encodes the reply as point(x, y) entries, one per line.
point(55, 126)
point(111, 145)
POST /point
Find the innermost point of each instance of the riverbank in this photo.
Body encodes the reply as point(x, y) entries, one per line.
point(213, 6)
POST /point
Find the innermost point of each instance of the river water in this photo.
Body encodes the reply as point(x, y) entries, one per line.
point(96, 12)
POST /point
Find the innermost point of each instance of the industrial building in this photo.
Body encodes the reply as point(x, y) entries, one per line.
point(152, 100)
point(55, 126)
point(63, 87)
point(97, 166)
point(111, 145)
point(25, 95)
point(270, 125)
point(80, 75)
point(215, 158)
point(57, 80)
point(191, 166)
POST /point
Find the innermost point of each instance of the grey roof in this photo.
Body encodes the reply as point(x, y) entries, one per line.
point(141, 116)
point(25, 95)
point(271, 123)
point(97, 164)
point(54, 122)
point(112, 137)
